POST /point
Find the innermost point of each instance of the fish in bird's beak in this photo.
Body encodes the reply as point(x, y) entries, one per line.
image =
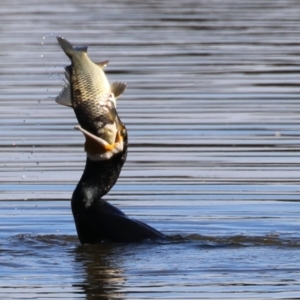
point(98, 148)
point(89, 93)
point(113, 139)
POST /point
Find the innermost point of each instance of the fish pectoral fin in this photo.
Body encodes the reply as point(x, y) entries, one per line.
point(121, 128)
point(118, 88)
point(68, 71)
point(95, 145)
point(113, 114)
point(102, 64)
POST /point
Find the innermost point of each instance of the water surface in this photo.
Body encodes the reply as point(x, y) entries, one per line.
point(212, 110)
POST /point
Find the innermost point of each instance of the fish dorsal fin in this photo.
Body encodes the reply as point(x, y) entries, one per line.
point(118, 88)
point(102, 64)
point(81, 48)
point(64, 97)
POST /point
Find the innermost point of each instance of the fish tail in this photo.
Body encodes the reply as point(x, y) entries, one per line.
point(68, 47)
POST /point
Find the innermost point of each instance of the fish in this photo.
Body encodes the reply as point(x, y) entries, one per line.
point(88, 91)
point(93, 100)
point(113, 139)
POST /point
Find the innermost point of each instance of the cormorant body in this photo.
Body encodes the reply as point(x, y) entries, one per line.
point(93, 100)
point(96, 220)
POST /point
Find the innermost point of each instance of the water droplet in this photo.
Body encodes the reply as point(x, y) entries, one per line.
point(42, 55)
point(42, 43)
point(37, 163)
point(44, 37)
point(23, 176)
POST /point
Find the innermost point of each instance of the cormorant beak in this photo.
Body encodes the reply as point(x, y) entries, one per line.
point(99, 149)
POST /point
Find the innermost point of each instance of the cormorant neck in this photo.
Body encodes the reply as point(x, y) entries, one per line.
point(97, 179)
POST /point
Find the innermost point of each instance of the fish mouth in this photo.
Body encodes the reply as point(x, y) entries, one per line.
point(98, 148)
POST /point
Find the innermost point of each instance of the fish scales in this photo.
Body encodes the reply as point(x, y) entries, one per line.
point(89, 82)
point(89, 86)
point(100, 123)
point(89, 93)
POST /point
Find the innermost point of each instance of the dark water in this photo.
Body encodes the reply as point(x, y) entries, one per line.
point(212, 108)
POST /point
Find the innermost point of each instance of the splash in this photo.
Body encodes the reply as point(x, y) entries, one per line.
point(235, 241)
point(271, 239)
point(48, 42)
